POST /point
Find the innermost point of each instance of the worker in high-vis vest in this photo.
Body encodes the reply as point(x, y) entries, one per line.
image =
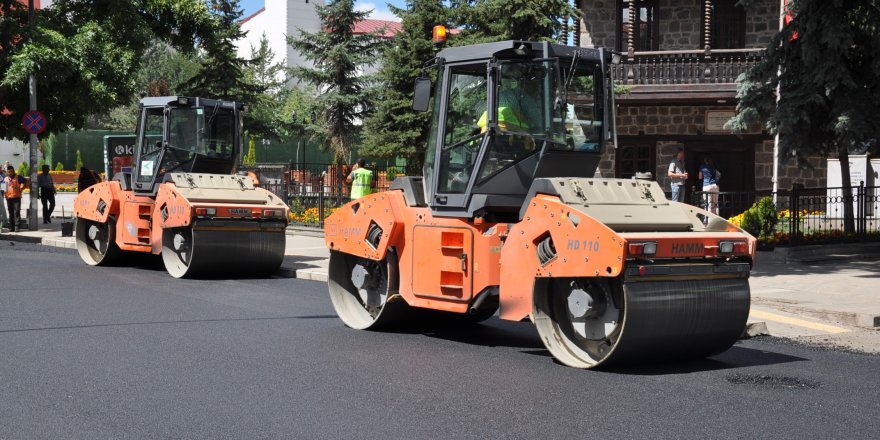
point(362, 180)
point(15, 186)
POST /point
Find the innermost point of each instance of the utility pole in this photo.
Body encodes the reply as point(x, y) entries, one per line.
point(32, 160)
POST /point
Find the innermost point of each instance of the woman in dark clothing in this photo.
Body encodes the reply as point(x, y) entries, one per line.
point(87, 178)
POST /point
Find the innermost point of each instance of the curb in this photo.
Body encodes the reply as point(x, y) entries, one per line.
point(305, 231)
point(864, 320)
point(20, 238)
point(303, 274)
point(756, 328)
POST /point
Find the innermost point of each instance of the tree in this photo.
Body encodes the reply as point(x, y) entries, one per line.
point(221, 74)
point(266, 79)
point(84, 54)
point(339, 57)
point(395, 129)
point(497, 20)
point(824, 64)
point(163, 71)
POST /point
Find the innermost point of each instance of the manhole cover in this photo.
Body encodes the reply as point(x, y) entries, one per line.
point(775, 382)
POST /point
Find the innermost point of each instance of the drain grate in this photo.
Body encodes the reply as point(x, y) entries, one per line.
point(775, 382)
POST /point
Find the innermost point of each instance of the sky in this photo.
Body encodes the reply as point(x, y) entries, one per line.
point(379, 7)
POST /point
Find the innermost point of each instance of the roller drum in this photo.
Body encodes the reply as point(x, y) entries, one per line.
point(590, 322)
point(189, 252)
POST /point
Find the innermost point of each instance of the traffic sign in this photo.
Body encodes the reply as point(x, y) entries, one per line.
point(34, 122)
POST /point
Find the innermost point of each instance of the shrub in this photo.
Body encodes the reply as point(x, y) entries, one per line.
point(391, 174)
point(79, 161)
point(751, 222)
point(24, 169)
point(59, 166)
point(765, 210)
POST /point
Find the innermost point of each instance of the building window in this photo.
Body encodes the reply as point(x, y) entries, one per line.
point(635, 158)
point(728, 25)
point(645, 32)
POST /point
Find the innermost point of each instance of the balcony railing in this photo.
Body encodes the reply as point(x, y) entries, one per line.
point(719, 66)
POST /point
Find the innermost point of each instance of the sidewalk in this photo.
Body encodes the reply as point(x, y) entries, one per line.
point(832, 303)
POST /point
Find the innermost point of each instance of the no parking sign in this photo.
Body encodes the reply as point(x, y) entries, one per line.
point(34, 122)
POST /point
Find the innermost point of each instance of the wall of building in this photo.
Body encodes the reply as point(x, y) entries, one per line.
point(599, 24)
point(280, 19)
point(688, 121)
point(762, 22)
point(680, 23)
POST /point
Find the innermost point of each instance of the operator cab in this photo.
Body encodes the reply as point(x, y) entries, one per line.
point(185, 135)
point(507, 113)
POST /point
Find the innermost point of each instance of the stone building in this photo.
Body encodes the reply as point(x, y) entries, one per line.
point(680, 64)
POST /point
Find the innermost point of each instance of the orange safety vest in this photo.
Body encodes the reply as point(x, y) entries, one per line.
point(14, 187)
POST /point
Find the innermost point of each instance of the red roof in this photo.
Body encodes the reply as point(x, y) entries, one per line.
point(388, 28)
point(245, 20)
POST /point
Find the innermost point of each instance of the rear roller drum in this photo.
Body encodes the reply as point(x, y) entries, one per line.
point(364, 291)
point(586, 322)
point(96, 242)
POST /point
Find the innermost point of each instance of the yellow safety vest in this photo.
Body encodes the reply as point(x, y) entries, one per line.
point(361, 183)
point(508, 120)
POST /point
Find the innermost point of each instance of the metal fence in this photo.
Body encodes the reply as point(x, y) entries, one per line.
point(314, 190)
point(809, 215)
point(804, 215)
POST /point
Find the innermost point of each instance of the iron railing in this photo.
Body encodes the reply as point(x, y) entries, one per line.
point(809, 215)
point(314, 190)
point(718, 66)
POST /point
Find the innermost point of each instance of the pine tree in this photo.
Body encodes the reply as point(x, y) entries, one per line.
point(222, 72)
point(395, 129)
point(339, 57)
point(825, 64)
point(497, 20)
point(266, 79)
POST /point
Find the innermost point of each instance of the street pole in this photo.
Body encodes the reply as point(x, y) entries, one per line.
point(32, 160)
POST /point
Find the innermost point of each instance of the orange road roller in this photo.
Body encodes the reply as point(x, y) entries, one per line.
point(509, 218)
point(182, 198)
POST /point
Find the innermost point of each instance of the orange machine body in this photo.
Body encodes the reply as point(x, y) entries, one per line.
point(446, 263)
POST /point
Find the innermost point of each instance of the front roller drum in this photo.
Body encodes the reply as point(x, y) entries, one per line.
point(364, 292)
point(96, 242)
point(587, 322)
point(189, 252)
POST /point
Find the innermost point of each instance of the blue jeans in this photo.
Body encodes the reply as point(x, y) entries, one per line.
point(678, 193)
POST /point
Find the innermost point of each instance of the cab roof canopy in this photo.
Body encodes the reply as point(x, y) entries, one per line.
point(512, 49)
point(162, 101)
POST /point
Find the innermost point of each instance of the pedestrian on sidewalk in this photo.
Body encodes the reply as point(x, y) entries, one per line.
point(86, 179)
point(47, 193)
point(710, 176)
point(678, 175)
point(15, 185)
point(3, 219)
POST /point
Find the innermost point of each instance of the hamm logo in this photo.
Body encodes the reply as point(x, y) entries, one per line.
point(687, 249)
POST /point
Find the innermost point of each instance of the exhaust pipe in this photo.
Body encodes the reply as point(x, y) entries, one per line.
point(475, 306)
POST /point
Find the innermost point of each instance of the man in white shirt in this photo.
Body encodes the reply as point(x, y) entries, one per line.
point(677, 176)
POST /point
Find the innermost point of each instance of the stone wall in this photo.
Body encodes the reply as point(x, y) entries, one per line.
point(599, 24)
point(762, 22)
point(680, 23)
point(664, 119)
point(789, 172)
point(688, 121)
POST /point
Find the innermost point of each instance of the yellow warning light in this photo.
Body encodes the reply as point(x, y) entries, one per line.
point(439, 35)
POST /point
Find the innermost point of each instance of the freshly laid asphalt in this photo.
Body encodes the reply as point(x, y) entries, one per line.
point(129, 352)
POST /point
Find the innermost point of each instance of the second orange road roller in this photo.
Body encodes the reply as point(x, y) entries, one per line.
point(182, 199)
point(509, 218)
